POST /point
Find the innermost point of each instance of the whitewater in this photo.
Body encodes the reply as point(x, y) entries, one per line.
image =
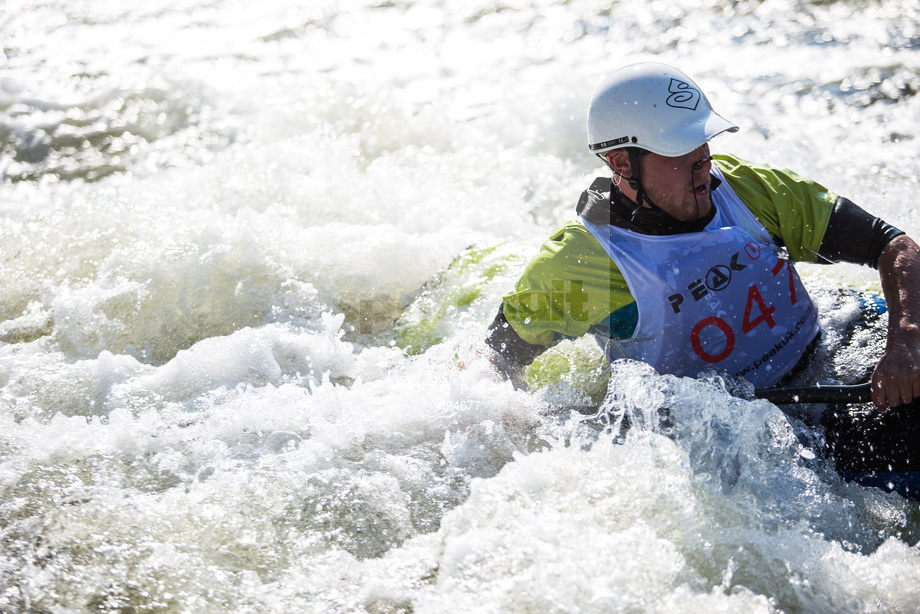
point(248, 252)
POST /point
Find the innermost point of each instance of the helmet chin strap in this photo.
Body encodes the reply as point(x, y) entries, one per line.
point(697, 166)
point(635, 184)
point(633, 181)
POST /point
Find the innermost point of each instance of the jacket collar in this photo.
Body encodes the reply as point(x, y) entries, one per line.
point(603, 204)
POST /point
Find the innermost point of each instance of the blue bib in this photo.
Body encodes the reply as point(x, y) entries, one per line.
point(722, 298)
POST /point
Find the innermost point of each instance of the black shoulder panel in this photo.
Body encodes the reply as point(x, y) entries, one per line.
point(853, 235)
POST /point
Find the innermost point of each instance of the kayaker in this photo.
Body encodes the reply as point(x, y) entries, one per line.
point(684, 259)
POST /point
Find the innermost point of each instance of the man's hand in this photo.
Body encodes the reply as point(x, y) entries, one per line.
point(897, 376)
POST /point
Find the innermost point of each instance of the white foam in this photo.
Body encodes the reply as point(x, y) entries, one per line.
point(198, 362)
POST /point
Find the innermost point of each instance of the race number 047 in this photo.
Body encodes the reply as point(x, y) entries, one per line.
point(764, 315)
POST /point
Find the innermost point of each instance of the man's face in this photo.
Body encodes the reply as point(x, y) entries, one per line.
point(676, 186)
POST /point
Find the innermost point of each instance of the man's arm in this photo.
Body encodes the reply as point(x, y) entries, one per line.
point(511, 353)
point(568, 289)
point(856, 236)
point(897, 376)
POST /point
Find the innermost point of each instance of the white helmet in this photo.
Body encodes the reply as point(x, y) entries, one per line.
point(653, 107)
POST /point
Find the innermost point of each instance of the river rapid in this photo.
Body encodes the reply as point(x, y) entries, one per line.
point(247, 251)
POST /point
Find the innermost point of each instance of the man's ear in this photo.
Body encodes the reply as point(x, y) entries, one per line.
point(619, 162)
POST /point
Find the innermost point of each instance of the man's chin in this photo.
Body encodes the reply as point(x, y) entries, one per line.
point(697, 210)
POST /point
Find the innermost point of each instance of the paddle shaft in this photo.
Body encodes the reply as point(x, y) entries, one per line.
point(859, 393)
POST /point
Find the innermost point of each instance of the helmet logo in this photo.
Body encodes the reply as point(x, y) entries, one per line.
point(683, 95)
